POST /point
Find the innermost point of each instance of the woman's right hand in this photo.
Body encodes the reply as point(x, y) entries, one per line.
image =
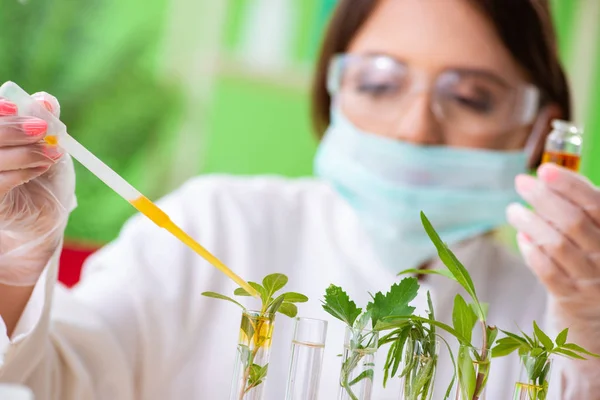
point(37, 193)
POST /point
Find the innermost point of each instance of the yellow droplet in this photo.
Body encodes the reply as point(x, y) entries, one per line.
point(51, 140)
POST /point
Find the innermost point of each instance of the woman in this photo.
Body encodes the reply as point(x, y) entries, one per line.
point(436, 106)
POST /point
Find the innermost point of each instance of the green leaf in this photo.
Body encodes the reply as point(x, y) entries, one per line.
point(463, 318)
point(241, 292)
point(221, 297)
point(504, 349)
point(562, 337)
point(466, 374)
point(366, 374)
point(579, 349)
point(395, 302)
point(247, 327)
point(261, 290)
point(568, 353)
point(245, 355)
point(274, 306)
point(443, 326)
point(443, 272)
point(257, 374)
point(483, 306)
point(361, 322)
point(292, 297)
point(492, 333)
point(274, 282)
point(338, 304)
point(516, 337)
point(543, 338)
point(459, 272)
point(288, 309)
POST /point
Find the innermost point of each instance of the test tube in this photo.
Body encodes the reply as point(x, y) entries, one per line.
point(563, 145)
point(307, 358)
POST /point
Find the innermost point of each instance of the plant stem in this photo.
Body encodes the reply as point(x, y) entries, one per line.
point(481, 375)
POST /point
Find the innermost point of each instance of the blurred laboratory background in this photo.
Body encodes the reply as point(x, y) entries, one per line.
point(163, 90)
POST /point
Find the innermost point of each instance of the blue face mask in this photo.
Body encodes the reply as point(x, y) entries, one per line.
point(463, 192)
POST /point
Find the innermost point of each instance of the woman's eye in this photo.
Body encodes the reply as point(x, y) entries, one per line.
point(478, 104)
point(376, 89)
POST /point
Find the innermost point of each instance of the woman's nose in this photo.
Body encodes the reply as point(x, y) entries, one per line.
point(416, 122)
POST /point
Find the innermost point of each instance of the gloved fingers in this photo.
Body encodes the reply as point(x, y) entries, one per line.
point(15, 131)
point(7, 108)
point(29, 156)
point(566, 216)
point(48, 101)
point(22, 265)
point(551, 274)
point(563, 253)
point(574, 187)
point(12, 179)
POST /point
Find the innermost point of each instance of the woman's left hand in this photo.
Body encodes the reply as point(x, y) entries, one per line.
point(560, 242)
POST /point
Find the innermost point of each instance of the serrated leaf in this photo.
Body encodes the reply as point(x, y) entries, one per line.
point(288, 309)
point(395, 302)
point(579, 349)
point(241, 292)
point(338, 304)
point(221, 297)
point(274, 282)
point(292, 297)
point(543, 338)
point(361, 322)
point(463, 318)
point(562, 337)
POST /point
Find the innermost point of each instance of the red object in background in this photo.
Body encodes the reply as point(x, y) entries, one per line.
point(71, 261)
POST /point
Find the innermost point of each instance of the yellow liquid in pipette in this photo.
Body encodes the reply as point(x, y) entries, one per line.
point(151, 210)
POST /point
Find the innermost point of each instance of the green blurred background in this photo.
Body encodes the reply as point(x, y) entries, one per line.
point(163, 90)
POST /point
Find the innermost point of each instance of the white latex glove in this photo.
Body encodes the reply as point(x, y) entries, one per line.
point(37, 193)
point(560, 242)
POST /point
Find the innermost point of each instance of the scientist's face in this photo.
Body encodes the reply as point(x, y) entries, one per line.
point(445, 77)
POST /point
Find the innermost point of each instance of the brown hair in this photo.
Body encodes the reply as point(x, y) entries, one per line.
point(524, 26)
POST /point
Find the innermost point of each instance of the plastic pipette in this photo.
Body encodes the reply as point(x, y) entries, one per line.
point(57, 134)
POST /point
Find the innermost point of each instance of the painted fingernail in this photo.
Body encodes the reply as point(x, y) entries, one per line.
point(7, 108)
point(52, 152)
point(525, 184)
point(548, 172)
point(35, 128)
point(524, 243)
point(47, 105)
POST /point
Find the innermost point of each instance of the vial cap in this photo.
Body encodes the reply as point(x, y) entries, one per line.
point(566, 126)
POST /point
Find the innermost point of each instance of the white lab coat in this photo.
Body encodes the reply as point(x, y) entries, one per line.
point(137, 327)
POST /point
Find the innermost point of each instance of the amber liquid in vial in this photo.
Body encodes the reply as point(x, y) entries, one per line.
point(566, 160)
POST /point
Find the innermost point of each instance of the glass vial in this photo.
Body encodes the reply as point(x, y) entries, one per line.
point(307, 359)
point(473, 372)
point(252, 358)
point(534, 378)
point(417, 369)
point(358, 364)
point(563, 145)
